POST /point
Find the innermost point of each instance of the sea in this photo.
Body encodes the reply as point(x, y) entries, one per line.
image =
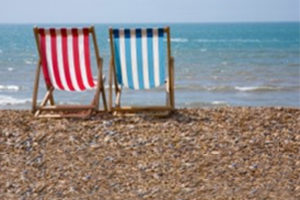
point(216, 64)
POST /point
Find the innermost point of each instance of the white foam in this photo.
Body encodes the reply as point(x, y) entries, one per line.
point(218, 102)
point(255, 88)
point(203, 50)
point(245, 40)
point(179, 40)
point(228, 40)
point(210, 40)
point(244, 89)
point(10, 69)
point(28, 62)
point(218, 88)
point(8, 100)
point(10, 87)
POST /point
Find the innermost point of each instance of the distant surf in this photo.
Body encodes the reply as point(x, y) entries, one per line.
point(8, 100)
point(10, 87)
point(257, 88)
point(206, 104)
point(225, 88)
point(179, 40)
point(234, 40)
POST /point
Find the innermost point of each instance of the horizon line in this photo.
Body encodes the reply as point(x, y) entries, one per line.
point(212, 22)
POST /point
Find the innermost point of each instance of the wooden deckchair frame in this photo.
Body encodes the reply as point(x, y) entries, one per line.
point(59, 111)
point(170, 104)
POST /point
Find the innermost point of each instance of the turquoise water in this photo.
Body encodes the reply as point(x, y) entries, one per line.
point(250, 64)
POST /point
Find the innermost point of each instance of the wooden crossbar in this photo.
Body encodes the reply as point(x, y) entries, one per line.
point(148, 108)
point(67, 107)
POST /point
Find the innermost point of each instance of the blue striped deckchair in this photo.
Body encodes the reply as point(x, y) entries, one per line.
point(140, 60)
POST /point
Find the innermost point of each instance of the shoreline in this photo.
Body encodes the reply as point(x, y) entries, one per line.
point(179, 108)
point(204, 153)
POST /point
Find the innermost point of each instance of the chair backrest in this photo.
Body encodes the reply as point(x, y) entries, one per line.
point(65, 58)
point(139, 57)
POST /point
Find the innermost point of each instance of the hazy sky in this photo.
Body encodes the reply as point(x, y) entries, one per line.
point(135, 11)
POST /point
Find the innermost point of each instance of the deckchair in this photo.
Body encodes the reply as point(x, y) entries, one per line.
point(64, 56)
point(140, 59)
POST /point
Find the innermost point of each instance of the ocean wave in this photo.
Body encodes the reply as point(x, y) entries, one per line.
point(203, 88)
point(232, 40)
point(28, 62)
point(8, 100)
point(219, 102)
point(206, 104)
point(256, 88)
point(226, 88)
point(10, 69)
point(1, 51)
point(218, 88)
point(179, 40)
point(10, 87)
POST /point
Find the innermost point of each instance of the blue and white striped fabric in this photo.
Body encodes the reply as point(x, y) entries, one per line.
point(140, 57)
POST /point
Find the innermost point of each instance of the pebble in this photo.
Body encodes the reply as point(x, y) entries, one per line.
point(208, 153)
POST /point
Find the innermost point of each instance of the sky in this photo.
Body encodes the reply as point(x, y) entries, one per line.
point(147, 11)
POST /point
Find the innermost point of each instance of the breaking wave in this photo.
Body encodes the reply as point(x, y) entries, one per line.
point(234, 40)
point(224, 88)
point(10, 87)
point(28, 62)
point(205, 104)
point(256, 88)
point(219, 103)
point(8, 100)
point(179, 40)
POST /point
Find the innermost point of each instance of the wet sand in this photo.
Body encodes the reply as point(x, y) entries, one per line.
point(214, 153)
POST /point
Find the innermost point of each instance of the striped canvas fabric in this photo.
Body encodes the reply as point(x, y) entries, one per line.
point(140, 57)
point(65, 55)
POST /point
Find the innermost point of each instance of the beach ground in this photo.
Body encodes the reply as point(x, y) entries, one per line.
point(208, 153)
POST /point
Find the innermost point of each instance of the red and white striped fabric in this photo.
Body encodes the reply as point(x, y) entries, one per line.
point(65, 55)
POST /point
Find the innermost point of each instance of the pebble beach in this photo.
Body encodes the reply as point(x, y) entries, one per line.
point(207, 153)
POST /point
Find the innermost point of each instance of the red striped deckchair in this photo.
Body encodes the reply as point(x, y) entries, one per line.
point(64, 56)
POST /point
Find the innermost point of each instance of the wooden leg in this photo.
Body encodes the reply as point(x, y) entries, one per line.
point(172, 99)
point(44, 102)
point(110, 85)
point(118, 99)
point(95, 100)
point(104, 98)
point(113, 82)
point(168, 98)
point(100, 87)
point(36, 86)
point(51, 98)
point(96, 97)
